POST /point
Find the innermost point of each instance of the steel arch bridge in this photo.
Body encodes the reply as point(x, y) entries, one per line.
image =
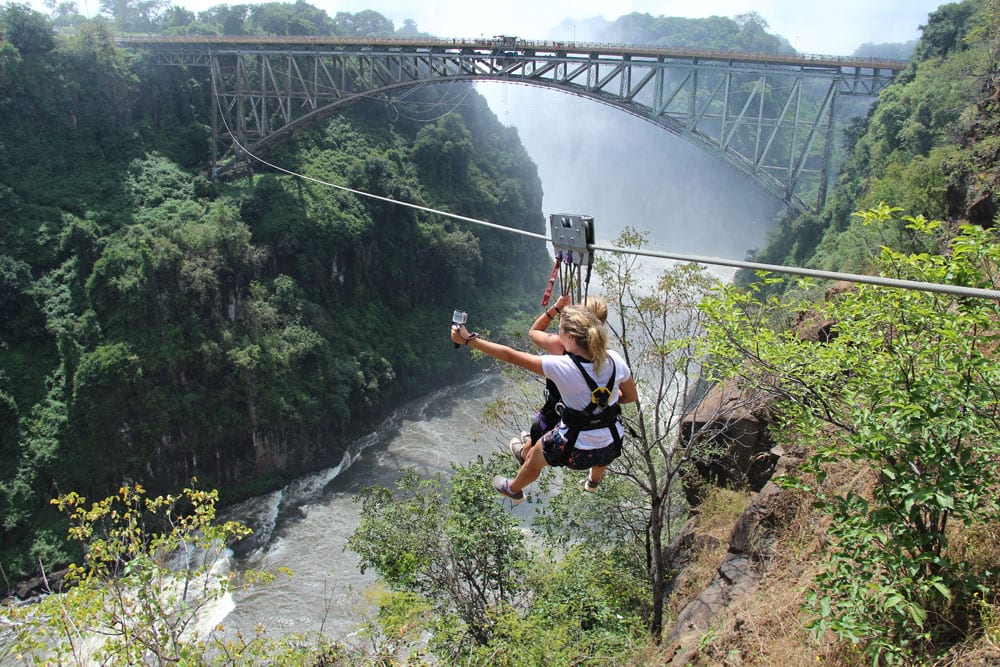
point(772, 116)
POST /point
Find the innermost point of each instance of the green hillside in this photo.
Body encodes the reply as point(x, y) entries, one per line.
point(156, 326)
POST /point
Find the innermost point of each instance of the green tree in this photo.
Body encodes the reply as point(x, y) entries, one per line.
point(10, 59)
point(300, 18)
point(908, 391)
point(28, 30)
point(132, 591)
point(133, 15)
point(175, 20)
point(444, 150)
point(456, 547)
point(367, 23)
point(658, 328)
point(104, 111)
point(64, 14)
point(232, 18)
point(9, 446)
point(152, 568)
point(457, 565)
point(945, 29)
point(31, 529)
point(409, 29)
point(582, 611)
point(746, 32)
point(890, 50)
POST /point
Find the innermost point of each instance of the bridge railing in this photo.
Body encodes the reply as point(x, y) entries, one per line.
point(507, 45)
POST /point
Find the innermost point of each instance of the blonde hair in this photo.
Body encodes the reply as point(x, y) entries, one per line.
point(588, 332)
point(598, 306)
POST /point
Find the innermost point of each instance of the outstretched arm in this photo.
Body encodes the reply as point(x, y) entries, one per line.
point(529, 362)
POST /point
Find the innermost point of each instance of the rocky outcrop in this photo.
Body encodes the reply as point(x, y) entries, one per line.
point(729, 430)
point(36, 587)
point(815, 327)
point(734, 420)
point(972, 194)
point(729, 425)
point(751, 544)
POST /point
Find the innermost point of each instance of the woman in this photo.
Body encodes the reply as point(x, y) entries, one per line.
point(592, 381)
point(546, 418)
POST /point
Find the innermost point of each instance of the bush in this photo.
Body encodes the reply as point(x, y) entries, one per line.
point(152, 572)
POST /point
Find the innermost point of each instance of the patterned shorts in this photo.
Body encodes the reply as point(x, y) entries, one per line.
point(558, 452)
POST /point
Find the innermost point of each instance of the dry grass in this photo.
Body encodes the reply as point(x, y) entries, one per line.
point(717, 515)
point(979, 546)
point(768, 627)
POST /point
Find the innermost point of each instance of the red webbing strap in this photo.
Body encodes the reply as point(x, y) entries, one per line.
point(552, 280)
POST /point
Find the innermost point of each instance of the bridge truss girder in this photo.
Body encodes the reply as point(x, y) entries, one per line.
point(773, 118)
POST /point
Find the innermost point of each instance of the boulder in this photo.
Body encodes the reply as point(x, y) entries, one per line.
point(730, 425)
point(38, 586)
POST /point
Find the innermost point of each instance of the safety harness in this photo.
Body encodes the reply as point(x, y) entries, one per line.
point(598, 414)
point(548, 415)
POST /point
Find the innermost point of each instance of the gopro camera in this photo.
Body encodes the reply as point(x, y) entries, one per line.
point(458, 318)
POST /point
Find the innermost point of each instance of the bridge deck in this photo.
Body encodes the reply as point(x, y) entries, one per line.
point(492, 45)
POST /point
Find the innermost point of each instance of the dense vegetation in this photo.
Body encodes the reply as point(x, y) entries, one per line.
point(156, 326)
point(929, 146)
point(745, 32)
point(897, 420)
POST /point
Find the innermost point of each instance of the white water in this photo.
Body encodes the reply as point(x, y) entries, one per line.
point(305, 526)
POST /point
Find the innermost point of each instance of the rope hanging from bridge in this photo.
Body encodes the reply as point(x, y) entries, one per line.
point(590, 246)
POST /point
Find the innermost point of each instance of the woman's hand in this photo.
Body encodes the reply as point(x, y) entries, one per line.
point(562, 302)
point(459, 334)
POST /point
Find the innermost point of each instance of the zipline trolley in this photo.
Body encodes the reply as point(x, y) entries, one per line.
point(572, 239)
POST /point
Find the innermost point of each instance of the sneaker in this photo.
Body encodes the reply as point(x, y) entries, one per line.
point(591, 487)
point(516, 447)
point(502, 486)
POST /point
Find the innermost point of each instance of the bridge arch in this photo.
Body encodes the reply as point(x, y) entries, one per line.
point(771, 116)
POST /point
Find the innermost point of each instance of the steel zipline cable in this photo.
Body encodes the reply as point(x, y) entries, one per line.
point(942, 288)
point(880, 281)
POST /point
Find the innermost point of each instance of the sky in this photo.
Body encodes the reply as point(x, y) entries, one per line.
point(835, 28)
point(829, 28)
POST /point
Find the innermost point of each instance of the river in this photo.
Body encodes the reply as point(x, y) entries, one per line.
point(305, 526)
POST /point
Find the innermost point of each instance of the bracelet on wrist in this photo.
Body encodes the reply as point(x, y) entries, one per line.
point(472, 337)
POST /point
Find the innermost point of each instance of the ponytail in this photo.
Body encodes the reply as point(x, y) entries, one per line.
point(598, 306)
point(588, 332)
point(597, 344)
